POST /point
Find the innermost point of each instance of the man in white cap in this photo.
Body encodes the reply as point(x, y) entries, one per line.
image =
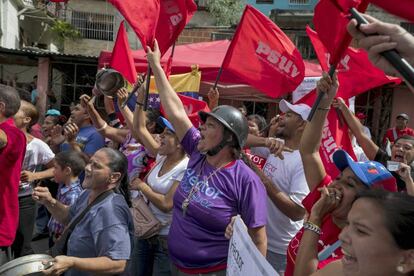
point(288, 186)
point(399, 130)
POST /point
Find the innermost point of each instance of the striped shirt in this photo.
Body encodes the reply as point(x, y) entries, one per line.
point(66, 195)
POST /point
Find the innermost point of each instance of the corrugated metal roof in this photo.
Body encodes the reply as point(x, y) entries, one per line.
point(43, 53)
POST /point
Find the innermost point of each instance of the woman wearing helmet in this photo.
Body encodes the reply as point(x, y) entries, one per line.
point(216, 185)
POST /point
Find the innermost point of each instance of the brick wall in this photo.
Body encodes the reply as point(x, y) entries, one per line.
point(197, 34)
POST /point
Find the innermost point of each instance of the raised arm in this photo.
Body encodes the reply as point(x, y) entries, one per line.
point(368, 146)
point(115, 134)
point(58, 210)
point(173, 107)
point(312, 135)
point(122, 95)
point(139, 130)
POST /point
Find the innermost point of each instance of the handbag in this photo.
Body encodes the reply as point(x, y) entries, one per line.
point(145, 223)
point(61, 245)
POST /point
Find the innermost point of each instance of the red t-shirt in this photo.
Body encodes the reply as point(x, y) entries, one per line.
point(390, 133)
point(11, 160)
point(329, 236)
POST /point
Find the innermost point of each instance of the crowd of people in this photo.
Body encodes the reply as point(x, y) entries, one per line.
point(83, 179)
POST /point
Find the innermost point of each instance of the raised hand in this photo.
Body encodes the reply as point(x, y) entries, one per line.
point(71, 130)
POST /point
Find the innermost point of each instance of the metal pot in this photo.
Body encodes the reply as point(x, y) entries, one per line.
point(108, 81)
point(28, 265)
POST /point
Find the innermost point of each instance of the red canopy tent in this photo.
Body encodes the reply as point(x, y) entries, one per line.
point(208, 56)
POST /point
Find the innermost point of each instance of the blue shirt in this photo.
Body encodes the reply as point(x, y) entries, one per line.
point(88, 139)
point(106, 230)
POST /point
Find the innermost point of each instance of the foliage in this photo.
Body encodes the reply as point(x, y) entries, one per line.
point(64, 30)
point(226, 12)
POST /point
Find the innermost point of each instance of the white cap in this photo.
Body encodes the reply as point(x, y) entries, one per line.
point(301, 109)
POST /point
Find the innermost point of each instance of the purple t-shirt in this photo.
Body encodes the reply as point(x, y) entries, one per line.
point(197, 240)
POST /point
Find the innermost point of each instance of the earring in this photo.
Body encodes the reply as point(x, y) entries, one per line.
point(400, 268)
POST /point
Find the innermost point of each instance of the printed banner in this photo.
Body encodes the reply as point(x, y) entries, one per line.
point(244, 258)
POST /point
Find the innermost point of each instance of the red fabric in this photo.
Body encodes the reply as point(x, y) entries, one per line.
point(11, 160)
point(192, 107)
point(207, 55)
point(401, 8)
point(174, 15)
point(334, 136)
point(330, 232)
point(332, 29)
point(36, 131)
point(356, 74)
point(390, 133)
point(122, 59)
point(262, 55)
point(142, 16)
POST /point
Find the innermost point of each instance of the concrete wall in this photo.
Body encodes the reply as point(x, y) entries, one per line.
point(87, 47)
point(10, 25)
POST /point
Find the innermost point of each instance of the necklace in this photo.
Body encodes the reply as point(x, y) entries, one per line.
point(196, 187)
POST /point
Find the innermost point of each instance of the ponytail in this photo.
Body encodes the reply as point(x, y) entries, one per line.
point(124, 189)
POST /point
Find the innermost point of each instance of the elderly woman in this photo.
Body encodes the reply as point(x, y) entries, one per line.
point(216, 185)
point(101, 241)
point(378, 238)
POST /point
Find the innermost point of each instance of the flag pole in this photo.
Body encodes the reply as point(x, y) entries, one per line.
point(218, 77)
point(147, 87)
point(392, 56)
point(320, 95)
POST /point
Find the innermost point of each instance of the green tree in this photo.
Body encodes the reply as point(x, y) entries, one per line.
point(64, 30)
point(226, 12)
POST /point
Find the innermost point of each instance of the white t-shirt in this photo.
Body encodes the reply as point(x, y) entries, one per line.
point(289, 177)
point(38, 153)
point(162, 184)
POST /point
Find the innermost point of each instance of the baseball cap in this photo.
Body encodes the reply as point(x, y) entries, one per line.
point(403, 115)
point(302, 109)
point(165, 123)
point(360, 115)
point(371, 173)
point(53, 112)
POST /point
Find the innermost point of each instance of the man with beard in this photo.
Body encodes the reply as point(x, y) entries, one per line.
point(288, 186)
point(402, 150)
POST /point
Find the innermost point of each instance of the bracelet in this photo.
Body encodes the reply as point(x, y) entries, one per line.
point(138, 103)
point(312, 227)
point(102, 128)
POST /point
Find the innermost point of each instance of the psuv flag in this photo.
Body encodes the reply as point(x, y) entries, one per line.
point(263, 56)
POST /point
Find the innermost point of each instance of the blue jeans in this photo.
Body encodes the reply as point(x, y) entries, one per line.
point(277, 261)
point(150, 257)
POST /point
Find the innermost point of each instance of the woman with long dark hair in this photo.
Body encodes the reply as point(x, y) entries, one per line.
point(101, 241)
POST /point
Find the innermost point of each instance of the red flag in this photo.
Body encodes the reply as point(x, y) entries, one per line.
point(142, 16)
point(401, 8)
point(122, 59)
point(334, 136)
point(192, 107)
point(174, 15)
point(356, 74)
point(330, 20)
point(262, 55)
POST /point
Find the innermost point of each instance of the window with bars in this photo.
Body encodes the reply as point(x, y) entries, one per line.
point(94, 25)
point(299, 2)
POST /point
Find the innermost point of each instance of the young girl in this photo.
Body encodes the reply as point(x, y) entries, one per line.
point(68, 165)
